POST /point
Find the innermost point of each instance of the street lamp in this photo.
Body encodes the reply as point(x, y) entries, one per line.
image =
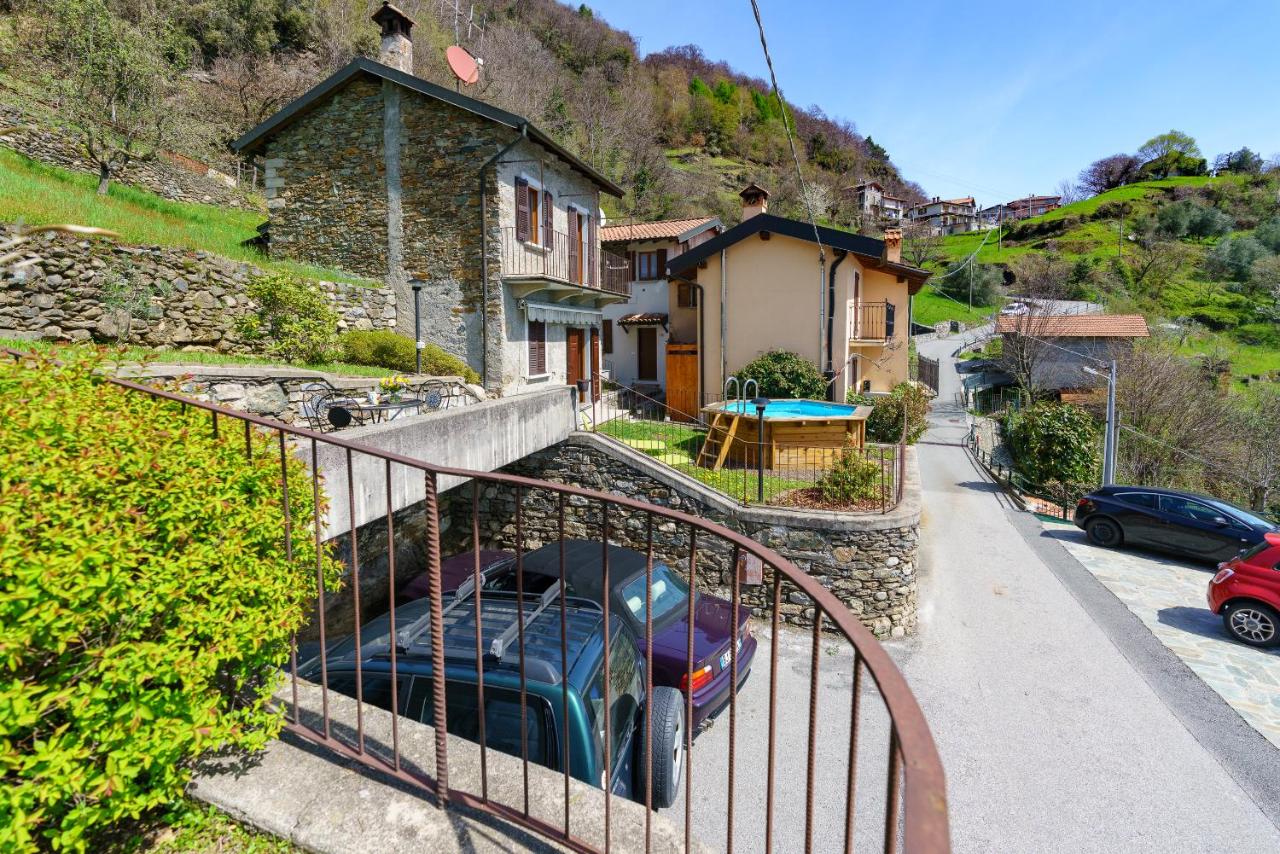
point(419, 344)
point(760, 404)
point(1113, 427)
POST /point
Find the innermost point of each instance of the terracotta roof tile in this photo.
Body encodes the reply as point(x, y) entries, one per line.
point(1076, 325)
point(642, 319)
point(667, 229)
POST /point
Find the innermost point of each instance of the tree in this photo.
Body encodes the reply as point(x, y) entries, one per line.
point(1109, 173)
point(1070, 191)
point(1054, 442)
point(1173, 142)
point(783, 374)
point(1233, 258)
point(116, 79)
point(921, 245)
point(1259, 452)
point(1243, 161)
point(1041, 281)
point(966, 281)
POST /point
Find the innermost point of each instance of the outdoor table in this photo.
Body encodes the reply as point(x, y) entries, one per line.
point(387, 410)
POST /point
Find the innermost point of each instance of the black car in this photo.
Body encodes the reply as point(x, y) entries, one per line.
point(1192, 526)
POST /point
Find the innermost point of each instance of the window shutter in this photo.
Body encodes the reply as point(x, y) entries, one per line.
point(593, 268)
point(683, 299)
point(608, 335)
point(573, 245)
point(633, 273)
point(889, 310)
point(548, 221)
point(537, 347)
point(522, 209)
point(661, 271)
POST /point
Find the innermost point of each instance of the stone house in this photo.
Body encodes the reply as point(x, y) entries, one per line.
point(636, 332)
point(946, 216)
point(383, 174)
point(763, 285)
point(875, 206)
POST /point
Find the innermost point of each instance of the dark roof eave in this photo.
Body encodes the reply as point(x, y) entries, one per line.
point(305, 102)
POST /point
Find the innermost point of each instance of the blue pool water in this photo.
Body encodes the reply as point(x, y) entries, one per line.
point(792, 409)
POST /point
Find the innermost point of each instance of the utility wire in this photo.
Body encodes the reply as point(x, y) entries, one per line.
point(1210, 463)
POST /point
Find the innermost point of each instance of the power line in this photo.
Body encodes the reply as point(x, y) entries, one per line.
point(1210, 463)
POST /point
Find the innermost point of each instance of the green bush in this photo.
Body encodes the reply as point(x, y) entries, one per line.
point(293, 319)
point(1054, 442)
point(987, 279)
point(884, 424)
point(1233, 258)
point(1267, 334)
point(784, 375)
point(383, 348)
point(145, 598)
point(852, 478)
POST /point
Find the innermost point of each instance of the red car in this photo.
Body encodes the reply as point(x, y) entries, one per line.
point(1246, 592)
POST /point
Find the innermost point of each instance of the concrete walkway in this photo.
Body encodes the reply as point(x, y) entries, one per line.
point(1054, 734)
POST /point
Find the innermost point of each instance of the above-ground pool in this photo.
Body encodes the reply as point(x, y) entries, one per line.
point(798, 434)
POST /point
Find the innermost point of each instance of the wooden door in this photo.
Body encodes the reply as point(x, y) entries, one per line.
point(595, 363)
point(682, 381)
point(647, 353)
point(573, 357)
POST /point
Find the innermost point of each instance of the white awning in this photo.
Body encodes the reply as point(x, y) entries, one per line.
point(563, 314)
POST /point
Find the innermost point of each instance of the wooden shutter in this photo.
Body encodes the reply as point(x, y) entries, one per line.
point(889, 311)
point(537, 347)
point(608, 335)
point(522, 209)
point(548, 221)
point(684, 295)
point(633, 272)
point(661, 271)
point(593, 255)
point(573, 245)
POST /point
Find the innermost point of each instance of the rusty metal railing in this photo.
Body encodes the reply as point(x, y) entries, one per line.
point(565, 260)
point(913, 814)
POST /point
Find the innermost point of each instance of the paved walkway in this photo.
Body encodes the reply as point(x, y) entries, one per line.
point(1169, 597)
point(1054, 734)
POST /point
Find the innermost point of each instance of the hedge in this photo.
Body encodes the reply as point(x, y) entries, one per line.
point(781, 374)
point(385, 349)
point(145, 598)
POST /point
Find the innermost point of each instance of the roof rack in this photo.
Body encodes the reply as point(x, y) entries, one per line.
point(410, 633)
point(502, 642)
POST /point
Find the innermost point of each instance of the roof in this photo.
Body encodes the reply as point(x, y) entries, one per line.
point(1076, 325)
point(666, 229)
point(1032, 199)
point(642, 319)
point(314, 96)
point(869, 249)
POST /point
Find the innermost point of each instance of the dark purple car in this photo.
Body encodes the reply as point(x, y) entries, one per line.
point(712, 620)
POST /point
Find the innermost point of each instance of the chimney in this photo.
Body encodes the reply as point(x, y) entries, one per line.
point(893, 245)
point(755, 200)
point(397, 46)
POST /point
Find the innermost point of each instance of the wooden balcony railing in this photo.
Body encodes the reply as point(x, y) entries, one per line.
point(870, 321)
point(564, 261)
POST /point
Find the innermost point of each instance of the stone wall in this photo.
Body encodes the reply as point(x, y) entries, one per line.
point(61, 296)
point(60, 146)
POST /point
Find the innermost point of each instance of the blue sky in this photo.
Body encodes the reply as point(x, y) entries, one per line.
point(1001, 99)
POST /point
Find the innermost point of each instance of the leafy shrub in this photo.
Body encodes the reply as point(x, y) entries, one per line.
point(884, 424)
point(987, 279)
point(385, 349)
point(784, 375)
point(852, 478)
point(1233, 258)
point(1054, 442)
point(1189, 218)
point(1267, 334)
point(145, 598)
point(293, 319)
point(1268, 234)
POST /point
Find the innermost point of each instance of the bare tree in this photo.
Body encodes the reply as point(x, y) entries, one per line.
point(1109, 173)
point(1258, 456)
point(1042, 281)
point(253, 86)
point(1069, 191)
point(921, 244)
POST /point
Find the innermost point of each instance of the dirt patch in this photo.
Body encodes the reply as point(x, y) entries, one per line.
point(811, 499)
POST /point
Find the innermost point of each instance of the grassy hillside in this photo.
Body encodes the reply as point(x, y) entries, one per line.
point(37, 193)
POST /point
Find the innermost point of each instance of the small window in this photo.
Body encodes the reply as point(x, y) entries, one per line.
point(607, 335)
point(646, 266)
point(537, 347)
point(686, 296)
point(535, 216)
point(1139, 499)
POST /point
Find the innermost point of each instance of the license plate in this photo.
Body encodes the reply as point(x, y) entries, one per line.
point(726, 658)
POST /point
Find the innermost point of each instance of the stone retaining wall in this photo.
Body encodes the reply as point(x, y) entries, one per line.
point(61, 296)
point(59, 146)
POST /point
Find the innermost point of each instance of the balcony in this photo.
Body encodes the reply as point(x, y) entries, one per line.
point(562, 275)
point(870, 323)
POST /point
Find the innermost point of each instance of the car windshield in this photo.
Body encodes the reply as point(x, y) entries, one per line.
point(1241, 514)
point(669, 593)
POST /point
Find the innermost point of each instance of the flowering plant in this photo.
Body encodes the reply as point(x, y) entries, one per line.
point(393, 385)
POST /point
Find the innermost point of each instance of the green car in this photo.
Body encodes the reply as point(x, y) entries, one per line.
point(547, 727)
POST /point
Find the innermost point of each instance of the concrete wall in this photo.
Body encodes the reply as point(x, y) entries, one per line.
point(483, 437)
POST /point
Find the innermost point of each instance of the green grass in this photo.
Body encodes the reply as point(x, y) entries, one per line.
point(183, 357)
point(193, 828)
point(36, 193)
point(930, 307)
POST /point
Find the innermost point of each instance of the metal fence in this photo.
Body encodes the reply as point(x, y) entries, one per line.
point(927, 372)
point(913, 814)
point(743, 467)
point(564, 260)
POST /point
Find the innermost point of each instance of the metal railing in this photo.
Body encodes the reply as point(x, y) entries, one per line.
point(927, 372)
point(868, 321)
point(778, 473)
point(558, 263)
point(913, 814)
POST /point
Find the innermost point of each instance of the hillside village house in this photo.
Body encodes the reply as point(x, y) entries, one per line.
point(876, 206)
point(382, 174)
point(636, 332)
point(760, 286)
point(1028, 206)
point(946, 216)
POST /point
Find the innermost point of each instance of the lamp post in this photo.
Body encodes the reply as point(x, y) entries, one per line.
point(418, 343)
point(760, 404)
point(1113, 427)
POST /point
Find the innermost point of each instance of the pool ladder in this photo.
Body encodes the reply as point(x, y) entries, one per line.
point(719, 438)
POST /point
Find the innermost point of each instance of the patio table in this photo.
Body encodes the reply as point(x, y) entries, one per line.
point(387, 410)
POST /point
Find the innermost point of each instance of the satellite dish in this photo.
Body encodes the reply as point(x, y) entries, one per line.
point(463, 65)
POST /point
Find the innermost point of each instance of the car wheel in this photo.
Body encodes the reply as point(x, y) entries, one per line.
point(1252, 623)
point(1104, 532)
point(666, 711)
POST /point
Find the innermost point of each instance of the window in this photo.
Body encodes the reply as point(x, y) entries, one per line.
point(669, 592)
point(375, 687)
point(624, 693)
point(501, 718)
point(537, 347)
point(535, 214)
point(686, 296)
point(608, 335)
point(646, 265)
point(1139, 499)
point(1188, 509)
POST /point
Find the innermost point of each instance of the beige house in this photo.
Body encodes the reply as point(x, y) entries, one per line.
point(762, 286)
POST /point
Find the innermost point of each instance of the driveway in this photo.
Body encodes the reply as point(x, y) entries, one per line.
point(1168, 596)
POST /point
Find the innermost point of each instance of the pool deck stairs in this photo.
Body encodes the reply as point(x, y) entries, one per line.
point(714, 444)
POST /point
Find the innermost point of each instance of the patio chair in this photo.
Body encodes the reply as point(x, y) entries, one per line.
point(311, 395)
point(336, 412)
point(434, 394)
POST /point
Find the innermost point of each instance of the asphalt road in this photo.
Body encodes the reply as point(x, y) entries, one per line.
point(1055, 733)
